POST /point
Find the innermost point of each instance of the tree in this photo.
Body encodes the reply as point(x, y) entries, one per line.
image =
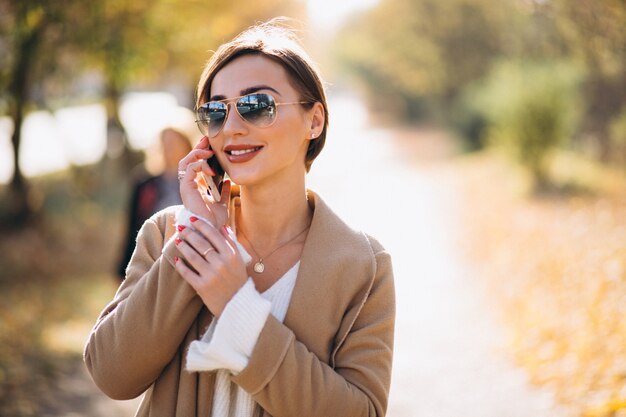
point(596, 34)
point(143, 42)
point(48, 43)
point(532, 108)
point(194, 28)
point(28, 30)
point(423, 52)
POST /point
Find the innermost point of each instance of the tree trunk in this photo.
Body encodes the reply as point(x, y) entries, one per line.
point(20, 210)
point(19, 90)
point(605, 102)
point(118, 147)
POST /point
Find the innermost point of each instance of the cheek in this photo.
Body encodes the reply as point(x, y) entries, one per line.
point(217, 144)
point(294, 137)
point(295, 128)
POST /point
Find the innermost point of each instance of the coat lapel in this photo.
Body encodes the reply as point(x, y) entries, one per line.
point(336, 271)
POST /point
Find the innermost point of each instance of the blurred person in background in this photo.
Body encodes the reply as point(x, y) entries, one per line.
point(151, 193)
point(259, 301)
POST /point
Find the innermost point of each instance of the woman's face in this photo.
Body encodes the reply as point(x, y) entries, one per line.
point(254, 155)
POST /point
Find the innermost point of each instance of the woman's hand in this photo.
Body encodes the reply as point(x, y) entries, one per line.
point(193, 188)
point(212, 265)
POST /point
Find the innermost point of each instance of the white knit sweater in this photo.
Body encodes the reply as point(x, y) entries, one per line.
point(229, 341)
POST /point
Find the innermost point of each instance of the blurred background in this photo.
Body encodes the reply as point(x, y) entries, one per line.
point(483, 141)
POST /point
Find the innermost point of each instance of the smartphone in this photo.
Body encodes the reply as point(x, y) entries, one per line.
point(215, 182)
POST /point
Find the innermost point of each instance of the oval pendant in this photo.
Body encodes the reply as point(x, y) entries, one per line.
point(259, 267)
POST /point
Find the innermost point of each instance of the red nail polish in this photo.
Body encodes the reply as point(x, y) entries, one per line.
point(177, 241)
point(181, 227)
point(175, 259)
point(228, 231)
point(193, 219)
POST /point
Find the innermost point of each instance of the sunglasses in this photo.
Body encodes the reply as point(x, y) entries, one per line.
point(258, 109)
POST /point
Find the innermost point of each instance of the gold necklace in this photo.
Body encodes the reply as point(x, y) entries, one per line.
point(259, 266)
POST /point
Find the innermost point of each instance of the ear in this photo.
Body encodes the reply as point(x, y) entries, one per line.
point(318, 117)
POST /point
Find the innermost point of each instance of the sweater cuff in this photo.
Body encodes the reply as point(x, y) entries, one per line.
point(230, 343)
point(183, 217)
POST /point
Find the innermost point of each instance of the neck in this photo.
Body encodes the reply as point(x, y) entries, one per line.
point(271, 215)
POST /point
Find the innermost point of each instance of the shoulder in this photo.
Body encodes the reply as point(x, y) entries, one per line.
point(161, 224)
point(348, 257)
point(336, 232)
point(345, 277)
point(351, 258)
point(166, 217)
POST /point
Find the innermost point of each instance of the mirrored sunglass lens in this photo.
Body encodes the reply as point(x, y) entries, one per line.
point(203, 126)
point(259, 109)
point(211, 116)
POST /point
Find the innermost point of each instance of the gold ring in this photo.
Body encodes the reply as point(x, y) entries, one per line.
point(207, 251)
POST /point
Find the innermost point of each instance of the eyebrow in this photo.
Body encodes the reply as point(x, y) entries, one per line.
point(247, 91)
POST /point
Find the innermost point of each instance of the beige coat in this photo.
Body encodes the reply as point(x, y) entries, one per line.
point(331, 356)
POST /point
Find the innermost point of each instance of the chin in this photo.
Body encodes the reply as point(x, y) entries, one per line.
point(243, 178)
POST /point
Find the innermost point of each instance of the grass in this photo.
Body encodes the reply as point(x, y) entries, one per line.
point(55, 276)
point(556, 263)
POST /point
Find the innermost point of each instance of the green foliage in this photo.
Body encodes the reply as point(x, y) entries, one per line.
point(531, 108)
point(422, 53)
point(191, 29)
point(420, 56)
point(52, 50)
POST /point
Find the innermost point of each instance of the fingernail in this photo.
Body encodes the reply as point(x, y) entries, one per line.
point(228, 231)
point(193, 219)
point(175, 259)
point(181, 227)
point(177, 241)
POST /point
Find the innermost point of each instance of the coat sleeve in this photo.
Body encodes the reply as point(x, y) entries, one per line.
point(140, 331)
point(286, 379)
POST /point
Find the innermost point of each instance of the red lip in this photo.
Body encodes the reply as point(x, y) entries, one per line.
point(241, 153)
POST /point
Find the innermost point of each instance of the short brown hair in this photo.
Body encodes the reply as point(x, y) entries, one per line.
point(278, 43)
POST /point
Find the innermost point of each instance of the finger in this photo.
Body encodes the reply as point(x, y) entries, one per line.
point(203, 143)
point(196, 154)
point(191, 277)
point(191, 171)
point(225, 194)
point(230, 238)
point(196, 239)
point(206, 168)
point(194, 260)
point(212, 235)
point(194, 168)
point(193, 156)
point(209, 254)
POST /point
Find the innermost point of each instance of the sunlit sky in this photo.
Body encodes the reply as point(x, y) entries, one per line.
point(328, 14)
point(77, 135)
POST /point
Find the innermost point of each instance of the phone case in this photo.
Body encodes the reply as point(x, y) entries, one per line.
point(215, 182)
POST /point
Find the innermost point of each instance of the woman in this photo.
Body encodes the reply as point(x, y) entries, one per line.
point(151, 193)
point(264, 302)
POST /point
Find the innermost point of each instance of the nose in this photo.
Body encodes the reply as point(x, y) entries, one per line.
point(234, 123)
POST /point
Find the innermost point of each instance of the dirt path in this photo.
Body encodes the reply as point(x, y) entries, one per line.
point(448, 356)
